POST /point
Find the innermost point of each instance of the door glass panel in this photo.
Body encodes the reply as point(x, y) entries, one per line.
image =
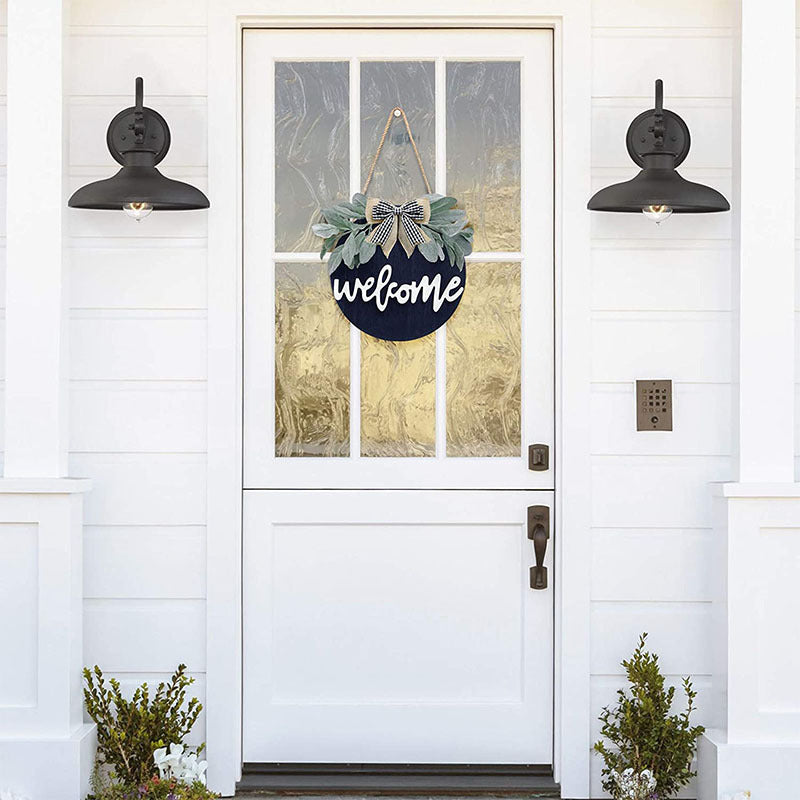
point(483, 149)
point(312, 365)
point(398, 397)
point(384, 85)
point(398, 379)
point(312, 147)
point(484, 349)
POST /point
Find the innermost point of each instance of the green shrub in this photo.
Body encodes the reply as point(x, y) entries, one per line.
point(153, 789)
point(642, 733)
point(128, 731)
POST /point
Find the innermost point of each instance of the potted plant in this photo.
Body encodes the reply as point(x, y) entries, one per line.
point(140, 750)
point(648, 751)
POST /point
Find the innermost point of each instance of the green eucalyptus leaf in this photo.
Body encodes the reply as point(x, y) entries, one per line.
point(447, 220)
point(366, 251)
point(430, 250)
point(461, 245)
point(324, 229)
point(328, 244)
point(350, 249)
point(346, 210)
point(452, 229)
point(442, 203)
point(339, 219)
point(450, 251)
point(435, 235)
point(351, 208)
point(335, 259)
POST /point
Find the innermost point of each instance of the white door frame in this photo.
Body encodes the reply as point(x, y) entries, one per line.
point(571, 22)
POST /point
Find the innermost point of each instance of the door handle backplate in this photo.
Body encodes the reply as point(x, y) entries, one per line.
point(539, 533)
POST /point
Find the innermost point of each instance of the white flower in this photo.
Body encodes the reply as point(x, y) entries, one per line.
point(632, 786)
point(7, 794)
point(180, 764)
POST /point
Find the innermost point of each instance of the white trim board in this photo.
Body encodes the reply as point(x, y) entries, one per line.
point(571, 22)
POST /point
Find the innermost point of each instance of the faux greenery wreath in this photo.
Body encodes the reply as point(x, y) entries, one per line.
point(345, 232)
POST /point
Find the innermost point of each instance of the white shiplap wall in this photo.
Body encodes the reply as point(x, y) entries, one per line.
point(138, 349)
point(661, 308)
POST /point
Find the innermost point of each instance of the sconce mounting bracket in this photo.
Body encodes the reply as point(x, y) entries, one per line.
point(641, 138)
point(121, 136)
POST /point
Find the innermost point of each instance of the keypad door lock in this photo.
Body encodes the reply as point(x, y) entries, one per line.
point(654, 405)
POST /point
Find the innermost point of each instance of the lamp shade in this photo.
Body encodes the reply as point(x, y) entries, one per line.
point(138, 138)
point(139, 185)
point(658, 141)
point(658, 184)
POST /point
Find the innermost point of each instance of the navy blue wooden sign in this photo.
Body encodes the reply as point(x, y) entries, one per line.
point(397, 297)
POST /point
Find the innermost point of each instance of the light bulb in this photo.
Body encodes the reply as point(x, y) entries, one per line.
point(657, 213)
point(137, 211)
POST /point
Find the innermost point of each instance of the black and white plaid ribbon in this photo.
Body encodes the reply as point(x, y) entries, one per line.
point(397, 223)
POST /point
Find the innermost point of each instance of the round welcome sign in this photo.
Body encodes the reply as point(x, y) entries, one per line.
point(397, 269)
point(398, 297)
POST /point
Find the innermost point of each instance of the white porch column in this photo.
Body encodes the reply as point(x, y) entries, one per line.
point(45, 749)
point(36, 400)
point(755, 741)
point(763, 208)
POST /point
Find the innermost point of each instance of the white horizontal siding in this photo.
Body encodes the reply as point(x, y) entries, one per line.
point(651, 564)
point(688, 279)
point(690, 66)
point(138, 294)
point(143, 488)
point(687, 346)
point(140, 562)
point(678, 631)
point(106, 62)
point(139, 275)
point(133, 13)
point(138, 345)
point(144, 635)
point(655, 491)
point(661, 300)
point(688, 14)
point(138, 417)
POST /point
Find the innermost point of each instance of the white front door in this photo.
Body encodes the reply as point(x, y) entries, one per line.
point(388, 613)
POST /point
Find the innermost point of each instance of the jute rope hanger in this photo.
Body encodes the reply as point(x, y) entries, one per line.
point(397, 111)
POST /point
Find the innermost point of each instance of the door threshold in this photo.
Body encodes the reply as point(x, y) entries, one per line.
point(399, 779)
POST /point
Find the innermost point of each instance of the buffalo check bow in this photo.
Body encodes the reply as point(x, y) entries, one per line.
point(398, 223)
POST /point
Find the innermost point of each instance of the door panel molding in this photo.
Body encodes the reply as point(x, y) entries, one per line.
point(370, 617)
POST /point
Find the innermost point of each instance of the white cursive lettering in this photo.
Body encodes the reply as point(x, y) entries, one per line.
point(382, 290)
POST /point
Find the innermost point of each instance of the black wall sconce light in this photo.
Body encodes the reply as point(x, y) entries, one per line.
point(658, 142)
point(138, 138)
